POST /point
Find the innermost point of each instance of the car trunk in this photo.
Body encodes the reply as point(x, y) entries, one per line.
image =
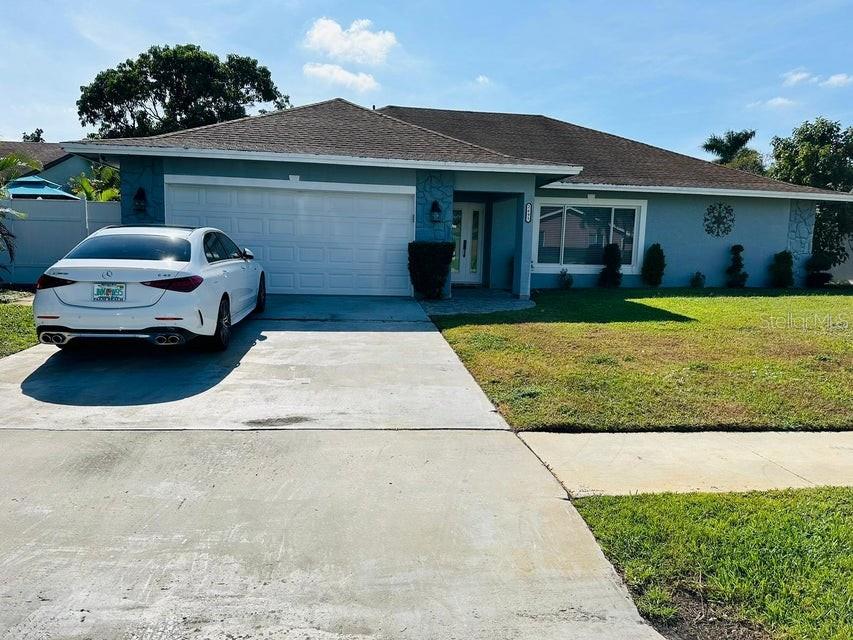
point(100, 287)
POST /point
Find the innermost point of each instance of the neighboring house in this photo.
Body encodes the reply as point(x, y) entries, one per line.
point(37, 188)
point(328, 196)
point(58, 165)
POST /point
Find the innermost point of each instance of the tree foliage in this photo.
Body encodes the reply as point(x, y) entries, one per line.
point(654, 264)
point(101, 184)
point(35, 136)
point(11, 167)
point(735, 275)
point(171, 88)
point(727, 146)
point(820, 154)
point(611, 275)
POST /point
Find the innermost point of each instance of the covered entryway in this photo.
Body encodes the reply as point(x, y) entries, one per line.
point(315, 238)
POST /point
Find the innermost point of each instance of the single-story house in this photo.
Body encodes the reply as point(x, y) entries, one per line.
point(328, 195)
point(58, 166)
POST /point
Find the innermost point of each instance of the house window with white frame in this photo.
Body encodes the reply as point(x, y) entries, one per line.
point(574, 234)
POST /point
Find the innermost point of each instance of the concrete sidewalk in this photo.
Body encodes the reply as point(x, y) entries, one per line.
point(625, 463)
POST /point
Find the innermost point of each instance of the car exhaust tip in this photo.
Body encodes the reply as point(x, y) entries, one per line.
point(58, 338)
point(174, 339)
point(161, 340)
point(46, 338)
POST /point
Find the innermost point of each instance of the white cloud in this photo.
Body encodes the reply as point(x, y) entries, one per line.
point(336, 74)
point(837, 80)
point(357, 43)
point(797, 76)
point(483, 80)
point(773, 103)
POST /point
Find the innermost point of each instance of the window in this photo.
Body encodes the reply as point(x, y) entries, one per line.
point(127, 246)
point(213, 249)
point(230, 247)
point(576, 234)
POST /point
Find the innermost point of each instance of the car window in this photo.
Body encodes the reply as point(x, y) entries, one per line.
point(230, 247)
point(213, 250)
point(126, 246)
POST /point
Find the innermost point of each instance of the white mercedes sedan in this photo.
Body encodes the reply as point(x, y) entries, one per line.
point(166, 285)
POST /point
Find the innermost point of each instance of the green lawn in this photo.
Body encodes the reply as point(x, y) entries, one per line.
point(612, 360)
point(781, 559)
point(17, 330)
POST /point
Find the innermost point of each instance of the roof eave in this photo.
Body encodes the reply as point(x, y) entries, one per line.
point(709, 191)
point(88, 149)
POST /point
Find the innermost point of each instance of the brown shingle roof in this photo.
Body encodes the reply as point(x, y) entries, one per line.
point(606, 159)
point(45, 152)
point(332, 128)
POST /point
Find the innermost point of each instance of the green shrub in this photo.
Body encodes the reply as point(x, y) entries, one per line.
point(817, 270)
point(611, 274)
point(782, 270)
point(735, 275)
point(565, 279)
point(429, 266)
point(654, 264)
point(697, 280)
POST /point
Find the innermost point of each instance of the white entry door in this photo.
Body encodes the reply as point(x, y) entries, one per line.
point(467, 264)
point(316, 242)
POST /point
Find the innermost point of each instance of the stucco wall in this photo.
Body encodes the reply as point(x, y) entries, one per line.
point(761, 225)
point(65, 170)
point(145, 173)
point(502, 243)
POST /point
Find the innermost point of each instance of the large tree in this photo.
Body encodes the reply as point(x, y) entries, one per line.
point(820, 154)
point(731, 151)
point(170, 88)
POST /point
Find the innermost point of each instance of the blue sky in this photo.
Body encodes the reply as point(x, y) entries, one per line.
point(666, 73)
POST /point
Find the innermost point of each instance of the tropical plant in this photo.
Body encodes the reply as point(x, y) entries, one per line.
point(102, 184)
point(171, 88)
point(727, 146)
point(565, 279)
point(820, 154)
point(654, 264)
point(611, 274)
point(11, 167)
point(735, 275)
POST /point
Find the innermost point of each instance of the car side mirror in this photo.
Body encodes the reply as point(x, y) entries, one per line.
point(248, 255)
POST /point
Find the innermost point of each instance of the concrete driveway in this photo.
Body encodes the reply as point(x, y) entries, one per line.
point(314, 362)
point(150, 510)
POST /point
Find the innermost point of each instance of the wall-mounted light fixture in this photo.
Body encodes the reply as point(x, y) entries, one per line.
point(435, 211)
point(140, 200)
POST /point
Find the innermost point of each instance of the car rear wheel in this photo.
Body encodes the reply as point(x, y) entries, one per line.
point(261, 304)
point(222, 336)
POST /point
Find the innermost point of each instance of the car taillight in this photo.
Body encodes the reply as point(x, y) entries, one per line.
point(184, 285)
point(49, 282)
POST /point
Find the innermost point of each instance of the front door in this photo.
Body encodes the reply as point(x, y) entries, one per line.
point(467, 264)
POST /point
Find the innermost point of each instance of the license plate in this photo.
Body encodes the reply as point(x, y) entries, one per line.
point(109, 292)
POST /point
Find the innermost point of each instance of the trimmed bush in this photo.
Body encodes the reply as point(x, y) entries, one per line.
point(654, 264)
point(565, 279)
point(782, 270)
point(429, 266)
point(817, 270)
point(611, 274)
point(697, 280)
point(735, 275)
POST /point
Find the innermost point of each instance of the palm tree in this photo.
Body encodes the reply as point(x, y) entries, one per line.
point(12, 166)
point(727, 146)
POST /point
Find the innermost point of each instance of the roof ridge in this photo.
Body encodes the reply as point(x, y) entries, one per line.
point(448, 137)
point(491, 113)
point(676, 153)
point(212, 125)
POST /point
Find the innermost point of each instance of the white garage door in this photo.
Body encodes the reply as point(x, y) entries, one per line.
point(319, 242)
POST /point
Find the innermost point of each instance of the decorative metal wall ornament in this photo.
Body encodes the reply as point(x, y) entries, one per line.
point(719, 219)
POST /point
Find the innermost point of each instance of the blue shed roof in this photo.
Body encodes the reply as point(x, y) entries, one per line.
point(36, 187)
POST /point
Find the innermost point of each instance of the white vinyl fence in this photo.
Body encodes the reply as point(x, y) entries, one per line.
point(49, 230)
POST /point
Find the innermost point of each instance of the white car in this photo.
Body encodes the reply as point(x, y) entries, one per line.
point(167, 285)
